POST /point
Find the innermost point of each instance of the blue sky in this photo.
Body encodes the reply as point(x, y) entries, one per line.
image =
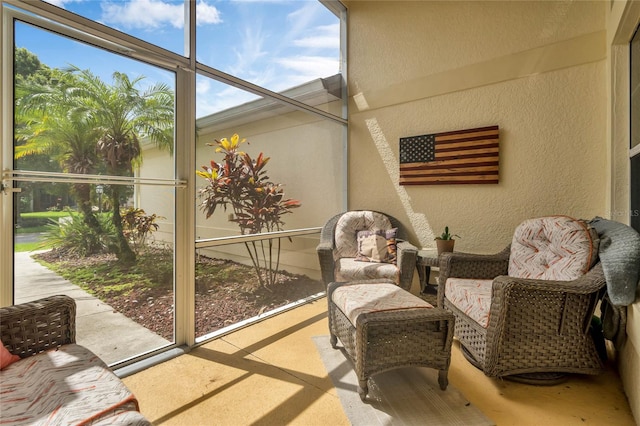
point(276, 44)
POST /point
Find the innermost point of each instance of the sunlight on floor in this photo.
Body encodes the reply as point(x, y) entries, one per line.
point(271, 374)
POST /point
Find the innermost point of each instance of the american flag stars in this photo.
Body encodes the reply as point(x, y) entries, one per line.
point(417, 149)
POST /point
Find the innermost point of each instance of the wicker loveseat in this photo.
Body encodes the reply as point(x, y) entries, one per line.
point(52, 380)
point(525, 313)
point(338, 249)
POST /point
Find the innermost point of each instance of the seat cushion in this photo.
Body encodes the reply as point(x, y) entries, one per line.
point(348, 226)
point(473, 297)
point(68, 385)
point(348, 269)
point(356, 299)
point(553, 248)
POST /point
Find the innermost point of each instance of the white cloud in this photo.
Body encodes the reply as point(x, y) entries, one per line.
point(153, 14)
point(301, 18)
point(210, 101)
point(322, 37)
point(203, 85)
point(250, 49)
point(207, 14)
point(311, 67)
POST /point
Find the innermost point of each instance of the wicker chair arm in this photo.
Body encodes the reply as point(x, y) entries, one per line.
point(405, 248)
point(327, 234)
point(325, 249)
point(30, 328)
point(478, 266)
point(325, 246)
point(469, 265)
point(327, 263)
point(406, 262)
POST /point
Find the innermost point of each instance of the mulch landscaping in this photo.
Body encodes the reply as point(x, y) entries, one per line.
point(226, 292)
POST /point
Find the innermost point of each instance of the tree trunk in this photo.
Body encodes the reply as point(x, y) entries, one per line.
point(83, 194)
point(124, 254)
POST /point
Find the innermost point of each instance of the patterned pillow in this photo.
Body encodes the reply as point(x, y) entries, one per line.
point(377, 246)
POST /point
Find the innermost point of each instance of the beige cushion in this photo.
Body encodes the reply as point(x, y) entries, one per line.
point(356, 299)
point(348, 269)
point(552, 248)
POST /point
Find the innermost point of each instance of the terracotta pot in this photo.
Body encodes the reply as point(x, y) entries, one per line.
point(445, 246)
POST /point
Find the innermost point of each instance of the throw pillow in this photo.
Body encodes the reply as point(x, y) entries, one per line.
point(377, 246)
point(6, 357)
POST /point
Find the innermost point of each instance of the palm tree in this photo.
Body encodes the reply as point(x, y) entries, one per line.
point(125, 114)
point(88, 124)
point(47, 123)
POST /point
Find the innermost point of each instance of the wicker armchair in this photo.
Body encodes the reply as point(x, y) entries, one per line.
point(337, 256)
point(30, 328)
point(536, 330)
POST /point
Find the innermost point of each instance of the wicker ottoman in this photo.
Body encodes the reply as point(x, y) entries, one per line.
point(383, 327)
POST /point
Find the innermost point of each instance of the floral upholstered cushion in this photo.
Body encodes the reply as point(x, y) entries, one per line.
point(356, 299)
point(348, 226)
point(553, 248)
point(473, 297)
point(377, 246)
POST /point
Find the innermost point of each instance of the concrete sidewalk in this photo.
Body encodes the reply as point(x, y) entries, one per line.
point(109, 334)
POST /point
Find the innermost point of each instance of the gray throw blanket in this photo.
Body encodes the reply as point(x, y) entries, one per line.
point(619, 254)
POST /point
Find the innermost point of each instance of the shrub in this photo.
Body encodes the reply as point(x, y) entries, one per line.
point(137, 226)
point(73, 236)
point(258, 204)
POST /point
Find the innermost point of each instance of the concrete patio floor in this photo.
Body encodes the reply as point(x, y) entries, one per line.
point(271, 374)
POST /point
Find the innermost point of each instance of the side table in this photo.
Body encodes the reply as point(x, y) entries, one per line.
point(427, 259)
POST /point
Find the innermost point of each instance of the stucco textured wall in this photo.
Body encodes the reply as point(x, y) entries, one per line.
point(536, 69)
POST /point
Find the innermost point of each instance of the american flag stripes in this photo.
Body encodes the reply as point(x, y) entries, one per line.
point(461, 157)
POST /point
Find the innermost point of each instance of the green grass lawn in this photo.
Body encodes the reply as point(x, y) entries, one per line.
point(30, 218)
point(31, 230)
point(52, 215)
point(20, 247)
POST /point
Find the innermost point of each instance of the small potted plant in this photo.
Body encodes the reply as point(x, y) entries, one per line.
point(445, 241)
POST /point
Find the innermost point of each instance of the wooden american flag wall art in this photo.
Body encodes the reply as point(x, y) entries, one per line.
point(460, 157)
